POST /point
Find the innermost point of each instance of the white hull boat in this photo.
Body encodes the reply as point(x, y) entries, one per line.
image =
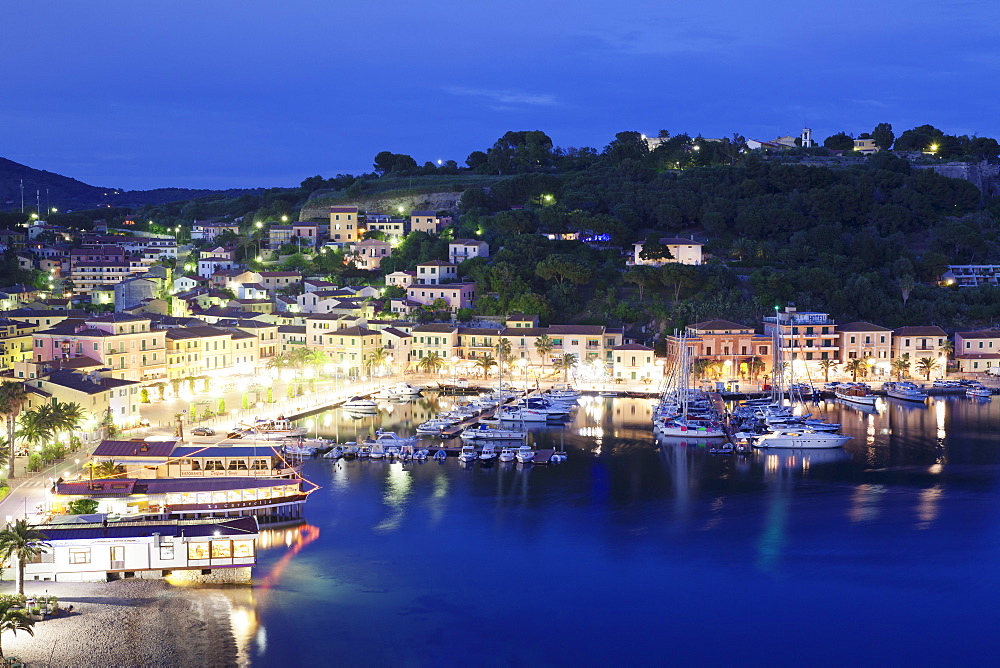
point(856, 396)
point(799, 438)
point(360, 405)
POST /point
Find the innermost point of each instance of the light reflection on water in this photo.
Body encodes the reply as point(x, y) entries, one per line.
point(627, 539)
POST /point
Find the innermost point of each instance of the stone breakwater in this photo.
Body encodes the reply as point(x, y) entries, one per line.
point(131, 623)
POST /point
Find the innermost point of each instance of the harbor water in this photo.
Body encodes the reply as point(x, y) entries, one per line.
point(639, 552)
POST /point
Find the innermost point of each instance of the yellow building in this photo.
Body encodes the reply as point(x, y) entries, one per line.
point(344, 224)
point(351, 348)
point(15, 342)
point(195, 351)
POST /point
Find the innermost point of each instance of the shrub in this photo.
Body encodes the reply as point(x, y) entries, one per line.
point(82, 507)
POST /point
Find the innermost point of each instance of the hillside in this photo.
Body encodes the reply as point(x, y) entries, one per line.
point(68, 193)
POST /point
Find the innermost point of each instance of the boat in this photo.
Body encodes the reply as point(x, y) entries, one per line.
point(421, 454)
point(468, 453)
point(360, 405)
point(904, 390)
point(403, 390)
point(857, 394)
point(364, 451)
point(435, 426)
point(607, 393)
point(558, 456)
point(978, 391)
point(440, 456)
point(277, 428)
point(393, 452)
point(525, 454)
point(376, 452)
point(335, 453)
point(390, 438)
point(508, 454)
point(520, 414)
point(487, 455)
point(296, 450)
point(799, 438)
point(487, 433)
point(350, 451)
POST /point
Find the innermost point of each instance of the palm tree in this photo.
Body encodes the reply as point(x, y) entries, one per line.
point(701, 367)
point(431, 363)
point(855, 367)
point(277, 362)
point(925, 365)
point(109, 468)
point(901, 365)
point(12, 398)
point(485, 363)
point(755, 365)
point(36, 425)
point(544, 346)
point(566, 362)
point(378, 359)
point(65, 416)
point(22, 543)
point(826, 365)
point(13, 620)
point(503, 353)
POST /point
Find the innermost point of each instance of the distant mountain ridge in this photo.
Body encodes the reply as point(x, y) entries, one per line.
point(68, 193)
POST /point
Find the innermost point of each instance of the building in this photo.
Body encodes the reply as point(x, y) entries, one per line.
point(344, 224)
point(455, 295)
point(279, 280)
point(97, 392)
point(86, 277)
point(351, 348)
point(865, 146)
point(863, 340)
point(279, 235)
point(305, 234)
point(920, 342)
point(806, 337)
point(977, 351)
point(737, 350)
point(461, 250)
point(133, 291)
point(15, 342)
point(86, 548)
point(195, 351)
point(971, 275)
point(207, 230)
point(392, 228)
point(368, 254)
point(428, 221)
point(436, 272)
point(401, 279)
point(634, 362)
point(587, 342)
point(683, 251)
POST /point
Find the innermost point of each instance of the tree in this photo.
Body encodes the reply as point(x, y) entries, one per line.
point(839, 142)
point(221, 406)
point(12, 397)
point(503, 349)
point(485, 363)
point(883, 136)
point(14, 620)
point(431, 362)
point(377, 360)
point(82, 507)
point(856, 367)
point(926, 365)
point(19, 541)
point(642, 276)
point(108, 468)
point(566, 362)
point(544, 346)
point(901, 365)
point(35, 426)
point(906, 285)
point(826, 365)
point(561, 267)
point(653, 250)
point(755, 366)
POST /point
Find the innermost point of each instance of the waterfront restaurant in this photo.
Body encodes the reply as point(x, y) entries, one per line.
point(169, 459)
point(89, 548)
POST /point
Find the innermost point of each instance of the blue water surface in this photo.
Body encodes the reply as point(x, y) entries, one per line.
point(635, 552)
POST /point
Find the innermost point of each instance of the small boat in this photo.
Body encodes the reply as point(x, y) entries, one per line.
point(390, 438)
point(277, 428)
point(525, 454)
point(298, 450)
point(558, 456)
point(335, 453)
point(857, 394)
point(607, 393)
point(360, 405)
point(350, 451)
point(486, 433)
point(403, 390)
point(434, 426)
point(364, 451)
point(726, 449)
point(392, 452)
point(487, 455)
point(978, 391)
point(904, 390)
point(376, 451)
point(468, 454)
point(440, 455)
point(421, 454)
point(508, 454)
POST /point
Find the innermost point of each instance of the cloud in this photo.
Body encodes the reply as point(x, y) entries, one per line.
point(505, 97)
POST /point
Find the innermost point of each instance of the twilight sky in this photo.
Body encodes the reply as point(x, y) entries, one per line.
point(221, 93)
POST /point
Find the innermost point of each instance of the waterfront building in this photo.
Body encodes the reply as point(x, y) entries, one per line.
point(90, 548)
point(587, 342)
point(632, 362)
point(863, 340)
point(194, 351)
point(683, 251)
point(731, 346)
point(97, 392)
point(977, 351)
point(807, 337)
point(440, 338)
point(351, 348)
point(919, 342)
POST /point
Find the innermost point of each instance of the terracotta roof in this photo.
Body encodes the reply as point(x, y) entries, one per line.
point(927, 330)
point(982, 334)
point(633, 346)
point(577, 329)
point(860, 326)
point(353, 331)
point(978, 356)
point(436, 327)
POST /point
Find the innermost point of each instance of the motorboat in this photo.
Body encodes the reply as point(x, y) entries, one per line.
point(508, 454)
point(350, 451)
point(364, 451)
point(277, 428)
point(360, 405)
point(978, 391)
point(558, 456)
point(403, 390)
point(440, 456)
point(376, 451)
point(799, 438)
point(487, 433)
point(607, 393)
point(690, 427)
point(525, 454)
point(487, 455)
point(296, 450)
point(857, 394)
point(468, 453)
point(520, 414)
point(335, 453)
point(421, 454)
point(904, 390)
point(434, 426)
point(393, 452)
point(390, 438)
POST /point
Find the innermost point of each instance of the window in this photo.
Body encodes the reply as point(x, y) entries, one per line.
point(852, 339)
point(198, 550)
point(79, 555)
point(167, 552)
point(222, 549)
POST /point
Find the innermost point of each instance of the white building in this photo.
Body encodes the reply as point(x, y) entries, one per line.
point(683, 251)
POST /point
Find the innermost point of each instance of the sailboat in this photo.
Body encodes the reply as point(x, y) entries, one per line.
point(680, 411)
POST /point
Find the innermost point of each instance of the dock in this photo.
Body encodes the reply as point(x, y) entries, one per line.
point(543, 456)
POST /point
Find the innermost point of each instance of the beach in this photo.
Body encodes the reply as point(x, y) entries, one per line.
point(136, 623)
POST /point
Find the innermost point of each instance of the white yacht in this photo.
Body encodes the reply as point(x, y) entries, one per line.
point(856, 394)
point(904, 390)
point(485, 433)
point(508, 454)
point(387, 438)
point(404, 390)
point(799, 438)
point(487, 455)
point(467, 453)
point(277, 429)
point(360, 405)
point(375, 452)
point(525, 454)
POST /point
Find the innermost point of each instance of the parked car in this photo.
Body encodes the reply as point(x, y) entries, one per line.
point(144, 422)
point(203, 431)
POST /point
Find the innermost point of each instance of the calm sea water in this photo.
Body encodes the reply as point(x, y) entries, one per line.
point(638, 553)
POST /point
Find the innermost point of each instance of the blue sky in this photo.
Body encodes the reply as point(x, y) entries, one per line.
point(214, 93)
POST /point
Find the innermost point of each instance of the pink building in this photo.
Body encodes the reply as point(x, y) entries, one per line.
point(368, 254)
point(457, 295)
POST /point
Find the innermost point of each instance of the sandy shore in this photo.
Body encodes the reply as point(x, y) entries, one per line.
point(131, 623)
